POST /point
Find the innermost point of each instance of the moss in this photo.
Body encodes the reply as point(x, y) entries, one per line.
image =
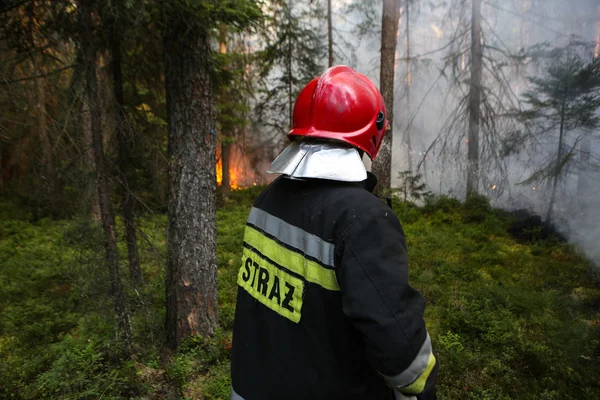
point(507, 319)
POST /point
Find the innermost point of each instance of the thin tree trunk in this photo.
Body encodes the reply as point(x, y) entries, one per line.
point(225, 136)
point(408, 135)
point(583, 183)
point(40, 106)
point(463, 59)
point(558, 162)
point(124, 157)
point(382, 165)
point(329, 33)
point(108, 224)
point(91, 189)
point(474, 101)
point(191, 281)
point(289, 73)
point(225, 164)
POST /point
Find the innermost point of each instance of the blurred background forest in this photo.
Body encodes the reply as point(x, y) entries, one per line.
point(135, 134)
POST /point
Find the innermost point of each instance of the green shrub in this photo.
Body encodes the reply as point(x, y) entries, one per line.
point(477, 208)
point(81, 371)
point(442, 203)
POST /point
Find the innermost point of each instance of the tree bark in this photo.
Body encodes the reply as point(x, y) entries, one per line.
point(225, 165)
point(408, 135)
point(329, 33)
point(289, 73)
point(124, 158)
point(191, 281)
point(389, 30)
point(474, 101)
point(91, 189)
point(558, 160)
point(225, 136)
point(108, 224)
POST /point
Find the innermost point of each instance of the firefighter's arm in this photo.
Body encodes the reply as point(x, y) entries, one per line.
point(373, 277)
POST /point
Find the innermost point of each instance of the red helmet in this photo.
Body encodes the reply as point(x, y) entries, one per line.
point(341, 105)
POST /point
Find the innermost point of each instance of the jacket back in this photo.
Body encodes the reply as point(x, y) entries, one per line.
point(324, 308)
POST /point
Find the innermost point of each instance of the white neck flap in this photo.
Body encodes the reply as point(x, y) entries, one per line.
point(321, 160)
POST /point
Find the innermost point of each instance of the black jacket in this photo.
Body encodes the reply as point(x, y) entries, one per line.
point(324, 307)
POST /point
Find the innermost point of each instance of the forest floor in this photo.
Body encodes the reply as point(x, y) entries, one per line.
point(508, 319)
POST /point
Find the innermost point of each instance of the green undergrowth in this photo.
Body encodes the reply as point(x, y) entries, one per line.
point(508, 320)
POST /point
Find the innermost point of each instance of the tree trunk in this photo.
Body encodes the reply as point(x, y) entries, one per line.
point(289, 73)
point(408, 134)
point(225, 136)
point(558, 161)
point(91, 189)
point(124, 141)
point(191, 281)
point(382, 165)
point(225, 165)
point(583, 181)
point(474, 101)
point(108, 223)
point(47, 170)
point(329, 33)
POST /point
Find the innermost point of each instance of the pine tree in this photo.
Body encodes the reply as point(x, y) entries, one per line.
point(294, 54)
point(89, 52)
point(191, 280)
point(562, 102)
point(115, 25)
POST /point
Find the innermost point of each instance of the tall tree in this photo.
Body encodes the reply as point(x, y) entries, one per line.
point(41, 125)
point(124, 152)
point(408, 133)
point(382, 166)
point(191, 279)
point(88, 50)
point(474, 100)
point(481, 100)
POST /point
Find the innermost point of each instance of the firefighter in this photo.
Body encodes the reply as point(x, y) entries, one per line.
point(324, 307)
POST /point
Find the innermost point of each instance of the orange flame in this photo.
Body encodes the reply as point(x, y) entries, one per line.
point(241, 174)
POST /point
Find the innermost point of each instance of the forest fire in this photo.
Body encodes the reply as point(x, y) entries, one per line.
point(234, 174)
point(241, 173)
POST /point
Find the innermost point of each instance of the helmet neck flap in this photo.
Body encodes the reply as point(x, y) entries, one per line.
point(320, 160)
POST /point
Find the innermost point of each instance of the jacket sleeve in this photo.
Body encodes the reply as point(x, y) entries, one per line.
point(386, 310)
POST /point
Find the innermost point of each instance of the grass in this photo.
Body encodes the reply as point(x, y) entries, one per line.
point(508, 320)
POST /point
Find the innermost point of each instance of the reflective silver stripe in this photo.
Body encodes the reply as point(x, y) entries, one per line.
point(291, 235)
point(400, 396)
point(410, 374)
point(235, 396)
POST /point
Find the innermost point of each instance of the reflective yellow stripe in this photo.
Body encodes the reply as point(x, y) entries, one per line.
point(417, 386)
point(273, 287)
point(295, 262)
